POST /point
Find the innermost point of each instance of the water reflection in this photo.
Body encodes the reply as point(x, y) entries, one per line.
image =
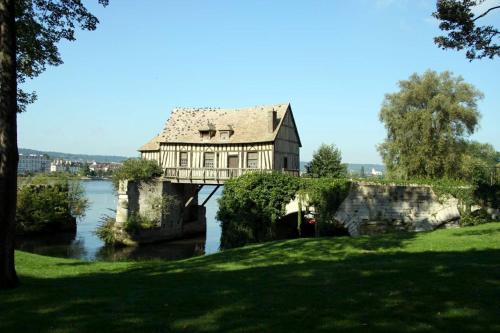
point(85, 245)
point(165, 250)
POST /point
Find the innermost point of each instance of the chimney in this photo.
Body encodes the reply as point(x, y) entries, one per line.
point(271, 120)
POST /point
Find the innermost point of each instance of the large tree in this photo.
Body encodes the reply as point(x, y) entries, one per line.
point(327, 162)
point(8, 143)
point(428, 121)
point(29, 33)
point(458, 19)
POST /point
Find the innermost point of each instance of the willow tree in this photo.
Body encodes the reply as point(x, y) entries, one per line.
point(428, 121)
point(29, 33)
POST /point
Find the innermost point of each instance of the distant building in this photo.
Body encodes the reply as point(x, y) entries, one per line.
point(65, 166)
point(104, 167)
point(33, 163)
point(376, 173)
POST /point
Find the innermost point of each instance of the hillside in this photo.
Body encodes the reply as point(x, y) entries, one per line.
point(352, 167)
point(75, 157)
point(443, 281)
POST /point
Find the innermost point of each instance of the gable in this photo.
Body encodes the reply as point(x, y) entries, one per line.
point(287, 129)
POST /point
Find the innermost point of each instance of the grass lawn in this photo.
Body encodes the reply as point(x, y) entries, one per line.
point(443, 281)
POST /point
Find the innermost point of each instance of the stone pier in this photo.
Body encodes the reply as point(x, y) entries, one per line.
point(144, 199)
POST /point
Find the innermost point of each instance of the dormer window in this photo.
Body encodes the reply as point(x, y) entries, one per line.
point(206, 133)
point(225, 132)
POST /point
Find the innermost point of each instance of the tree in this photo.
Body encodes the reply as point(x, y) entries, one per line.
point(362, 173)
point(139, 170)
point(327, 162)
point(459, 21)
point(8, 143)
point(427, 123)
point(479, 163)
point(29, 33)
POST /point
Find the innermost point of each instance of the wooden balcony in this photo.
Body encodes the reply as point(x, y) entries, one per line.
point(213, 175)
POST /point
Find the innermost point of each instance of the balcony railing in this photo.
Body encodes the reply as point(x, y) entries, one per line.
point(215, 174)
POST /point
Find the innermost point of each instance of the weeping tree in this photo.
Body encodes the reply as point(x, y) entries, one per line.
point(29, 33)
point(428, 121)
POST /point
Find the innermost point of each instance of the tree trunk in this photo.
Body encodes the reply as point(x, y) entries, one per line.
point(8, 144)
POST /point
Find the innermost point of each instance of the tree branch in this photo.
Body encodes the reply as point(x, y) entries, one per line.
point(485, 13)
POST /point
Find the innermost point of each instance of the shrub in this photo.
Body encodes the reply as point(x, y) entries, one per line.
point(136, 222)
point(326, 195)
point(138, 170)
point(251, 205)
point(44, 205)
point(105, 231)
point(477, 217)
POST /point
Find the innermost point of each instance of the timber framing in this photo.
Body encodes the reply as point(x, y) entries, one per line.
point(209, 146)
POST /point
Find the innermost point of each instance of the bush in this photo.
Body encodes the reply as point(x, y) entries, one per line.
point(105, 231)
point(477, 217)
point(138, 170)
point(251, 205)
point(49, 206)
point(136, 222)
point(326, 195)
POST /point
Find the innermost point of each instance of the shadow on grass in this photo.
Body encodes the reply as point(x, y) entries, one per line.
point(417, 292)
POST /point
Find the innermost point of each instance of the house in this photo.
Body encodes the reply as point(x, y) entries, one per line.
point(210, 145)
point(62, 165)
point(33, 163)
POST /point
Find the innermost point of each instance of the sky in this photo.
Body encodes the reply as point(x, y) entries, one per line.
point(332, 60)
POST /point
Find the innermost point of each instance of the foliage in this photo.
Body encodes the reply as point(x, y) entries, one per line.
point(40, 26)
point(427, 122)
point(488, 195)
point(139, 170)
point(43, 205)
point(106, 230)
point(327, 162)
point(459, 21)
point(326, 195)
point(477, 217)
point(250, 206)
point(137, 222)
point(441, 281)
point(478, 164)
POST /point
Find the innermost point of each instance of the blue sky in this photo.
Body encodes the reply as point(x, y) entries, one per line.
point(332, 60)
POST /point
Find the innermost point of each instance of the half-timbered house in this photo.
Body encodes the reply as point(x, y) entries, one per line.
point(210, 145)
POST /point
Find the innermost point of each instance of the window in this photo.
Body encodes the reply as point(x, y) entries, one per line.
point(208, 161)
point(183, 161)
point(205, 135)
point(252, 160)
point(285, 163)
point(224, 135)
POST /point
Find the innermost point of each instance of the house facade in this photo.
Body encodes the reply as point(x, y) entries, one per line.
point(210, 145)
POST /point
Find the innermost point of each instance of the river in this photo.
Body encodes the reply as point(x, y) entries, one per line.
point(85, 245)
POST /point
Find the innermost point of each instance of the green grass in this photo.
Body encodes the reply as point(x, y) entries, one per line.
point(444, 281)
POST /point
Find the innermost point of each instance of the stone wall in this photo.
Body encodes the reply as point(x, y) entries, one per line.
point(375, 208)
point(139, 198)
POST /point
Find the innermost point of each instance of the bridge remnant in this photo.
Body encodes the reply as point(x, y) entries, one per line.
point(180, 221)
point(377, 208)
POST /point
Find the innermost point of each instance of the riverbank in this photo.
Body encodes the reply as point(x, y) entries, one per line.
point(446, 280)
